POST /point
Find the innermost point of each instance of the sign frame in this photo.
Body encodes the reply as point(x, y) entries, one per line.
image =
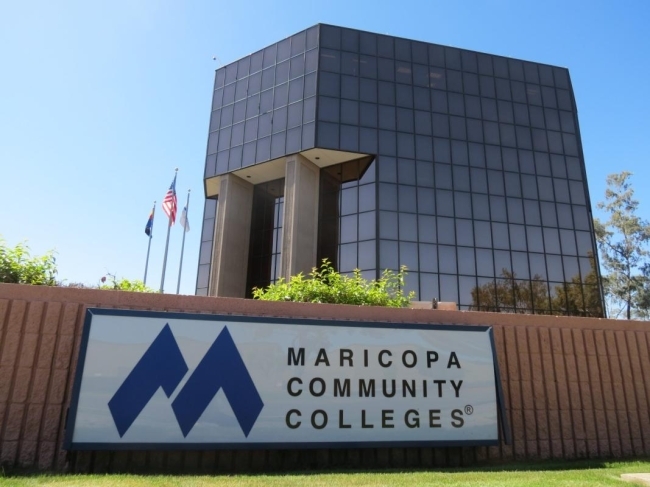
point(503, 428)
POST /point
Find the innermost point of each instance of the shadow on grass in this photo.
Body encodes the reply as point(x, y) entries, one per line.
point(541, 466)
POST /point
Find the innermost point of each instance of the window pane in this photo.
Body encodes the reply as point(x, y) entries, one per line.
point(443, 176)
point(479, 180)
point(388, 197)
point(561, 187)
point(517, 237)
point(535, 242)
point(564, 216)
point(520, 265)
point(444, 203)
point(480, 207)
point(428, 258)
point(515, 210)
point(408, 227)
point(567, 240)
point(426, 201)
point(549, 217)
point(448, 288)
point(447, 259)
point(348, 228)
point(531, 211)
point(407, 198)
point(388, 225)
point(388, 255)
point(408, 256)
point(422, 123)
point(440, 125)
point(427, 229)
point(464, 232)
point(466, 264)
point(484, 264)
point(503, 89)
point(367, 259)
point(495, 182)
point(500, 236)
point(424, 173)
point(461, 178)
point(551, 240)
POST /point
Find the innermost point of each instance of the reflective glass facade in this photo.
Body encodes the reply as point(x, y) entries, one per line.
point(264, 105)
point(477, 181)
point(266, 234)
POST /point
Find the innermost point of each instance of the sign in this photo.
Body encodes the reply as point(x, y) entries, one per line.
point(194, 381)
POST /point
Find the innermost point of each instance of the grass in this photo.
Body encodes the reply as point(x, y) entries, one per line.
point(574, 474)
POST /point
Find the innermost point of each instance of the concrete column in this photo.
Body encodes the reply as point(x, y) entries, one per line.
point(300, 226)
point(232, 238)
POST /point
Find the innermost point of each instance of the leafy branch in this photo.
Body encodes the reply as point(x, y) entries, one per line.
point(17, 266)
point(326, 285)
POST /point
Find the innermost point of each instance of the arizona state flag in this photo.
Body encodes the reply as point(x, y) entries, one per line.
point(148, 229)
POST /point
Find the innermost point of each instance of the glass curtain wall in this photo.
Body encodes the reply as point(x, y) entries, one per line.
point(264, 105)
point(481, 189)
point(205, 252)
point(347, 234)
point(266, 235)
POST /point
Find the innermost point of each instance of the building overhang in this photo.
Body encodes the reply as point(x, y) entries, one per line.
point(275, 168)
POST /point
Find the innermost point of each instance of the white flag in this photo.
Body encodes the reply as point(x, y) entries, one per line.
point(185, 223)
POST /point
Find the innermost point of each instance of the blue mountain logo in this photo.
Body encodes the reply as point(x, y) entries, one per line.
point(163, 365)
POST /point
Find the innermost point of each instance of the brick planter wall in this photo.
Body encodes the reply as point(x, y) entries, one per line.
point(574, 387)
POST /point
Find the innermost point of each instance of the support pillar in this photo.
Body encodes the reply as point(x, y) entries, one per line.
point(300, 226)
point(232, 238)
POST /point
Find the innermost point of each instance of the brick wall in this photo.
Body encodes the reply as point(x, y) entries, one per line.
point(574, 387)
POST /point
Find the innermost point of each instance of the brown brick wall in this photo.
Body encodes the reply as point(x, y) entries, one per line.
point(574, 387)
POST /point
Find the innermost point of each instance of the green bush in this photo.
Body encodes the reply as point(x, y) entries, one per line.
point(325, 285)
point(124, 284)
point(17, 266)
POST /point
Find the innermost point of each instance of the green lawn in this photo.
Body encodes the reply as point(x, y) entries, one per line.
point(572, 474)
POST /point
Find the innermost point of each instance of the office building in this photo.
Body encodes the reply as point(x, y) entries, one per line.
point(376, 151)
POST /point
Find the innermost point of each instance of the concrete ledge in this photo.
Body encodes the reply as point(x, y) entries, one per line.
point(237, 306)
point(445, 306)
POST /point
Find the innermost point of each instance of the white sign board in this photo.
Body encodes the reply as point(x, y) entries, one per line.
point(188, 381)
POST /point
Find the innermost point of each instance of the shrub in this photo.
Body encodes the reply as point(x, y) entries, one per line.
point(326, 285)
point(124, 284)
point(17, 266)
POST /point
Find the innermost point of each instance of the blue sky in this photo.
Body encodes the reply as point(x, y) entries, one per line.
point(100, 101)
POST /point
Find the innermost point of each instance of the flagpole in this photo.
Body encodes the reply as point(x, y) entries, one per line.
point(169, 227)
point(180, 267)
point(146, 265)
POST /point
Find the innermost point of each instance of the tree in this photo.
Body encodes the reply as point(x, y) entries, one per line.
point(623, 242)
point(642, 301)
point(325, 285)
point(17, 266)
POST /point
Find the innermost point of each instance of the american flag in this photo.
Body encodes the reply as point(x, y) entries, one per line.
point(169, 204)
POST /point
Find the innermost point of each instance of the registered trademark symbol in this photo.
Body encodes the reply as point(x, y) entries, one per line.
point(469, 409)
